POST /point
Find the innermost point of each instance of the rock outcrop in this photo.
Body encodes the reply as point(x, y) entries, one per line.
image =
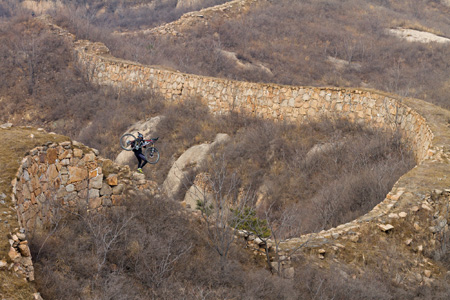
point(189, 161)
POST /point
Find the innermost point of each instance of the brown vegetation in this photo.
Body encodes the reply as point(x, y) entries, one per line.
point(300, 43)
point(149, 250)
point(41, 87)
point(157, 251)
point(152, 249)
point(334, 170)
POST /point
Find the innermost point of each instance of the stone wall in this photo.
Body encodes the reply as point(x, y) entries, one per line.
point(57, 178)
point(72, 176)
point(425, 126)
point(271, 101)
point(230, 9)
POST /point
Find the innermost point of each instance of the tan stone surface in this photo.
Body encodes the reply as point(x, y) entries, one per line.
point(112, 179)
point(77, 174)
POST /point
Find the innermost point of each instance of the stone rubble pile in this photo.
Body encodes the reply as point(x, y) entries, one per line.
point(19, 256)
point(259, 246)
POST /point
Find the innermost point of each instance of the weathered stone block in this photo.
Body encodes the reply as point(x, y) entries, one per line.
point(95, 202)
point(65, 154)
point(94, 193)
point(89, 157)
point(77, 174)
point(78, 153)
point(70, 188)
point(52, 173)
point(13, 254)
point(105, 190)
point(24, 249)
point(65, 144)
point(96, 182)
point(118, 189)
point(106, 201)
point(112, 179)
point(52, 155)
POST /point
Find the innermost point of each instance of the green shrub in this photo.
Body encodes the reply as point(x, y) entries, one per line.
point(246, 219)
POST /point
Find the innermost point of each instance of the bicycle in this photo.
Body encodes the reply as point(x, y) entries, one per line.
point(151, 153)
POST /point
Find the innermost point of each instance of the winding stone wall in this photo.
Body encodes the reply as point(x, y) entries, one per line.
point(271, 101)
point(425, 126)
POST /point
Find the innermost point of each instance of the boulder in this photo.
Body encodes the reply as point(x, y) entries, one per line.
point(187, 162)
point(195, 194)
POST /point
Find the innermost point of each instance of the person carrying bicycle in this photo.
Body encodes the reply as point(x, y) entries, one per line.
point(137, 150)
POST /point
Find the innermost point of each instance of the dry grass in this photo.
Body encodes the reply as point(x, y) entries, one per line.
point(12, 287)
point(416, 26)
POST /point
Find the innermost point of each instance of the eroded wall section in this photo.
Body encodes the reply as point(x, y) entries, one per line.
point(70, 176)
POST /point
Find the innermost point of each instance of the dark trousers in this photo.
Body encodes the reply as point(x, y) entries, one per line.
point(142, 161)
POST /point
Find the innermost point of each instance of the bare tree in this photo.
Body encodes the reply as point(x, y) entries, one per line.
point(219, 198)
point(27, 61)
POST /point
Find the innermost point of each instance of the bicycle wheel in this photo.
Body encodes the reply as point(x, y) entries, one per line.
point(152, 155)
point(126, 140)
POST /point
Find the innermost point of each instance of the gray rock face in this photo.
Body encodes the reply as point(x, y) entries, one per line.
point(6, 125)
point(147, 128)
point(195, 194)
point(188, 161)
point(187, 3)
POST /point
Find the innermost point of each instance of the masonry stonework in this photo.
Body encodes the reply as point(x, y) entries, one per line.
point(55, 179)
point(59, 169)
point(271, 101)
point(69, 176)
point(424, 126)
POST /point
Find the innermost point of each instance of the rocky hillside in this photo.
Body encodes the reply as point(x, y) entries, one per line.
point(400, 246)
